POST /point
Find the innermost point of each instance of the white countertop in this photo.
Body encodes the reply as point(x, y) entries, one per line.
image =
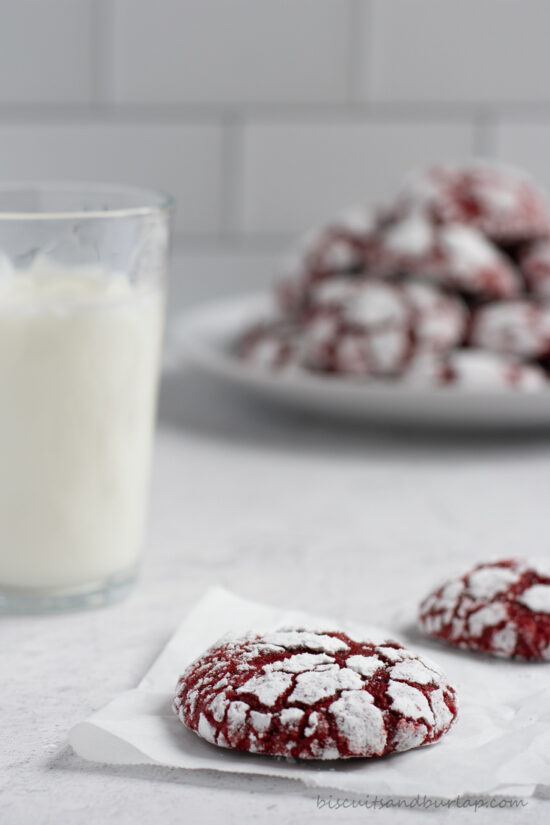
point(281, 508)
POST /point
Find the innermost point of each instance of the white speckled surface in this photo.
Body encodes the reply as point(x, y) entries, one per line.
point(284, 509)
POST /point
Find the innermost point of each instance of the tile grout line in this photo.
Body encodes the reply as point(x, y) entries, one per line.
point(359, 110)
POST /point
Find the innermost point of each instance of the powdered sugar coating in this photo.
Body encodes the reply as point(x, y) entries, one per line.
point(411, 236)
point(519, 328)
point(471, 258)
point(270, 345)
point(453, 255)
point(267, 687)
point(488, 616)
point(498, 200)
point(488, 582)
point(305, 639)
point(343, 247)
point(439, 318)
point(367, 326)
point(501, 607)
point(475, 369)
point(410, 702)
point(314, 695)
point(360, 723)
point(359, 327)
point(536, 598)
point(402, 292)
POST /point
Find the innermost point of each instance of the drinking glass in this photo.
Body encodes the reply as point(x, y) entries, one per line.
point(83, 271)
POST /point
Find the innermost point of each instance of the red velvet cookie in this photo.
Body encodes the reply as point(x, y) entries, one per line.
point(453, 255)
point(357, 327)
point(439, 317)
point(367, 326)
point(345, 247)
point(499, 201)
point(501, 607)
point(272, 345)
point(519, 328)
point(314, 695)
point(534, 262)
point(475, 369)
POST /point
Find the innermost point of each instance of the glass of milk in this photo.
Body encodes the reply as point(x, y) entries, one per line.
point(82, 284)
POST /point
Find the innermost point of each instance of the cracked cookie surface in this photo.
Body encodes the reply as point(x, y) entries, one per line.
point(314, 695)
point(501, 607)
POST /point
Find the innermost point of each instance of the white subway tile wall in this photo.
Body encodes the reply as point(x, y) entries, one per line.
point(263, 116)
point(292, 170)
point(184, 159)
point(459, 50)
point(46, 51)
point(231, 51)
point(201, 275)
point(526, 143)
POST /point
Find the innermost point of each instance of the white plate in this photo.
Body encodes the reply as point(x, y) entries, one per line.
point(204, 337)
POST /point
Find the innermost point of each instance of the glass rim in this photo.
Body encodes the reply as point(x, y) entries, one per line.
point(154, 200)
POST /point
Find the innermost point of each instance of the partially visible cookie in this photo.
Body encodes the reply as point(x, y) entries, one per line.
point(372, 327)
point(501, 608)
point(453, 255)
point(343, 247)
point(520, 328)
point(498, 200)
point(534, 262)
point(314, 695)
point(270, 345)
point(358, 327)
point(475, 369)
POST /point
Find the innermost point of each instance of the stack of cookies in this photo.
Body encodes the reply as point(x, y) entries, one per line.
point(448, 285)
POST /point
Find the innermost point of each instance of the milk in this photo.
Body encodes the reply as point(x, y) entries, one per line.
point(79, 356)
